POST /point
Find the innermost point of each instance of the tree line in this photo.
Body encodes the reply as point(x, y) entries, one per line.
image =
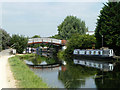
point(16, 41)
point(107, 31)
point(19, 42)
point(74, 31)
point(108, 27)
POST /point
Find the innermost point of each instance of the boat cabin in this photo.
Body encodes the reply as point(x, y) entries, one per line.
point(97, 52)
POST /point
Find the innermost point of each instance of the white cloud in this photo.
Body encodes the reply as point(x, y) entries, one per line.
point(43, 17)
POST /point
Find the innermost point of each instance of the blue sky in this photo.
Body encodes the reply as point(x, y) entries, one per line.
point(42, 18)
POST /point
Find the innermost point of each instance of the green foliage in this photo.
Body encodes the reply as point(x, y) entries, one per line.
point(35, 45)
point(80, 42)
point(108, 25)
point(37, 59)
point(25, 77)
point(56, 37)
point(26, 56)
point(70, 26)
point(4, 39)
point(19, 42)
point(36, 36)
point(60, 54)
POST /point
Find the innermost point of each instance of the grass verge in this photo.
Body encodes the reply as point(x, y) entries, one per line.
point(25, 77)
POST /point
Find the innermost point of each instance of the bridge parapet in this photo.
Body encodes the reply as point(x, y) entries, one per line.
point(47, 40)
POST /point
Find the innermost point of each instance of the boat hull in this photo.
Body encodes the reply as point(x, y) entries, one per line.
point(92, 57)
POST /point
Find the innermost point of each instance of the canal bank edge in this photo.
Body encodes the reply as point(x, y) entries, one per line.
point(25, 77)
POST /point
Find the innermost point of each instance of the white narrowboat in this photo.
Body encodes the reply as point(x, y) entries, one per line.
point(104, 53)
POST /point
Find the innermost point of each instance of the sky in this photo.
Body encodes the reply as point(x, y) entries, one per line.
point(42, 17)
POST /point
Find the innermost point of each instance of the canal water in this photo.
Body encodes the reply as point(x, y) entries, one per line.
point(56, 79)
point(79, 73)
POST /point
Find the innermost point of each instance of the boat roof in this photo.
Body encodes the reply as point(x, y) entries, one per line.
point(92, 49)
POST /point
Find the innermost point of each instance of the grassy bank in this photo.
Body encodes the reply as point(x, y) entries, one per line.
point(25, 77)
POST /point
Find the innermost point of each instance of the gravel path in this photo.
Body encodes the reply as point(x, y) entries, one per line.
point(6, 78)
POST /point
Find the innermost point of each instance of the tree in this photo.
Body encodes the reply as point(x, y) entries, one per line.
point(19, 42)
point(70, 26)
point(108, 26)
point(80, 42)
point(4, 39)
point(56, 36)
point(36, 36)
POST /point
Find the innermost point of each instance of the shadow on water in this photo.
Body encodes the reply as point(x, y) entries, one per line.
point(109, 79)
point(79, 73)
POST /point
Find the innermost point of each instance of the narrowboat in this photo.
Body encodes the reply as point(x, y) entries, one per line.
point(94, 53)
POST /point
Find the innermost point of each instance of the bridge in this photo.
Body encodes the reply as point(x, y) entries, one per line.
point(47, 40)
point(50, 41)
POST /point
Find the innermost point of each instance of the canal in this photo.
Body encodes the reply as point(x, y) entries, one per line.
point(77, 73)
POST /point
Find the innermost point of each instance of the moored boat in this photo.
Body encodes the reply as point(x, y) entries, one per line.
point(94, 53)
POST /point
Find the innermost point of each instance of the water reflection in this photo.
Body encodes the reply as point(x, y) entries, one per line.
point(108, 74)
point(79, 73)
point(109, 79)
point(76, 77)
point(68, 76)
point(50, 76)
point(102, 65)
point(42, 60)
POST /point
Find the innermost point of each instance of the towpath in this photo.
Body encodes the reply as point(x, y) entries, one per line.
point(6, 77)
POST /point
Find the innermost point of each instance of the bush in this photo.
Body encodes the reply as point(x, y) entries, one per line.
point(19, 42)
point(80, 42)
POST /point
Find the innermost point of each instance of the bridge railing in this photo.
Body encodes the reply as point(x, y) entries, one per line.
point(46, 40)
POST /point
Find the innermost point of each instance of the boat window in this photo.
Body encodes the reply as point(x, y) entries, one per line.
point(110, 51)
point(82, 52)
point(106, 52)
point(101, 52)
point(94, 52)
point(85, 52)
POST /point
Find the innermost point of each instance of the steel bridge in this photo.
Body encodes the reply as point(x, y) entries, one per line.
point(47, 40)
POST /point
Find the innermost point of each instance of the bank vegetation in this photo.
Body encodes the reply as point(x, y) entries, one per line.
point(22, 73)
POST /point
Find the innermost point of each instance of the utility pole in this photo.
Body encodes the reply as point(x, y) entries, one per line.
point(102, 40)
